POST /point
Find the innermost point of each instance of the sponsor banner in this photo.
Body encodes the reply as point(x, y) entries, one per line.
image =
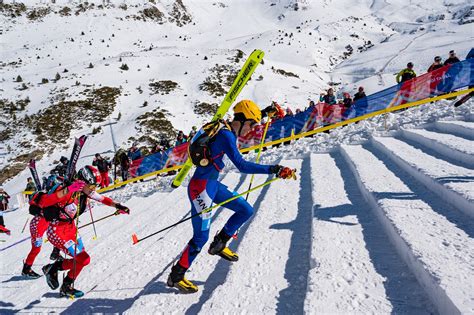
point(441, 81)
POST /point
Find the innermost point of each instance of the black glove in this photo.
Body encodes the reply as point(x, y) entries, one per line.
point(275, 169)
point(121, 209)
point(283, 172)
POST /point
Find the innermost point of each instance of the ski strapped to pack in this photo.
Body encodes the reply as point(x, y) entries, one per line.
point(34, 173)
point(243, 76)
point(76, 151)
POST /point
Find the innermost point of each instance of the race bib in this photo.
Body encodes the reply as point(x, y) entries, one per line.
point(72, 248)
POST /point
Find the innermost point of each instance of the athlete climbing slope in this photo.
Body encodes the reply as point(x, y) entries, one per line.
point(204, 188)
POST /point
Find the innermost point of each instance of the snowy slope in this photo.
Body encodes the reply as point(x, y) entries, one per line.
point(356, 233)
point(379, 220)
point(309, 39)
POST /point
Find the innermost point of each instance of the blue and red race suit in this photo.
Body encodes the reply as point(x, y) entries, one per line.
point(204, 189)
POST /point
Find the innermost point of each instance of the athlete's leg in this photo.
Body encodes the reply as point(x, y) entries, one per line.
point(243, 210)
point(38, 226)
point(200, 192)
point(63, 236)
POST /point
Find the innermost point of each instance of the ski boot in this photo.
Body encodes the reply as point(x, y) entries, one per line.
point(67, 289)
point(51, 273)
point(177, 280)
point(55, 254)
point(218, 247)
point(29, 273)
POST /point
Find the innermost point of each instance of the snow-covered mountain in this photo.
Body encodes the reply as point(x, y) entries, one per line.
point(180, 55)
point(380, 218)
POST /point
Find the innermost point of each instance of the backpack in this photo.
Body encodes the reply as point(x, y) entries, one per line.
point(35, 209)
point(49, 213)
point(198, 149)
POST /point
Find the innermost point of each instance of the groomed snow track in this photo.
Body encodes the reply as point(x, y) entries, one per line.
point(383, 227)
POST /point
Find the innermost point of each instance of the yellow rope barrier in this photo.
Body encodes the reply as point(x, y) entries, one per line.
point(300, 135)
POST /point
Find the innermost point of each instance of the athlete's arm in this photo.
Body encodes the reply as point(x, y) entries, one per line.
point(230, 149)
point(106, 201)
point(98, 197)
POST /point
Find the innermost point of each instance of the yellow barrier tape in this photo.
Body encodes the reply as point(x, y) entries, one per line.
point(295, 137)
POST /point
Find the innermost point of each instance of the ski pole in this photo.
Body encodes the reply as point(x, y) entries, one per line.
point(259, 153)
point(24, 226)
point(92, 221)
point(256, 161)
point(136, 240)
point(75, 246)
point(98, 220)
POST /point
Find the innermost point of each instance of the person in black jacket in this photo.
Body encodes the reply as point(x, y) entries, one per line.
point(121, 159)
point(436, 64)
point(360, 94)
point(452, 58)
point(104, 166)
point(61, 168)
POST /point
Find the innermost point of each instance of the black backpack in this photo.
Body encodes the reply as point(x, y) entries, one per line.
point(198, 149)
point(35, 209)
point(49, 213)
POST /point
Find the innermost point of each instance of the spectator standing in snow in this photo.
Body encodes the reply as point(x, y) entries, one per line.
point(347, 101)
point(436, 64)
point(180, 139)
point(61, 168)
point(289, 112)
point(452, 58)
point(360, 94)
point(328, 98)
point(104, 166)
point(280, 113)
point(192, 133)
point(30, 187)
point(406, 74)
point(121, 159)
point(3, 207)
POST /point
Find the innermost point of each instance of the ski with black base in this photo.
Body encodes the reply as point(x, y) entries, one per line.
point(76, 151)
point(34, 174)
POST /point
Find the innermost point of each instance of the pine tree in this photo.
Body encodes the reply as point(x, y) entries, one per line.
point(124, 66)
point(90, 65)
point(19, 79)
point(57, 77)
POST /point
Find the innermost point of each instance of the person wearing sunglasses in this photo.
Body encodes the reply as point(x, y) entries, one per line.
point(452, 58)
point(204, 190)
point(436, 64)
point(61, 209)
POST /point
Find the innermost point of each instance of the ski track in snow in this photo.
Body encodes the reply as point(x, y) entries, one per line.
point(314, 245)
point(380, 225)
point(355, 268)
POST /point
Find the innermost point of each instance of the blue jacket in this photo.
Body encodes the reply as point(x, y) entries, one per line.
point(225, 143)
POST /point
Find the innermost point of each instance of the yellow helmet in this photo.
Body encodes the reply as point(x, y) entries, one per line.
point(249, 110)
